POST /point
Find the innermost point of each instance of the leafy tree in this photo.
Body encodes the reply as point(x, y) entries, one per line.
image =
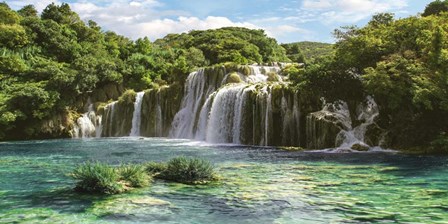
point(436, 7)
point(8, 16)
point(61, 14)
point(28, 11)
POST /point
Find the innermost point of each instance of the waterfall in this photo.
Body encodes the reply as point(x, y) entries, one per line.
point(136, 117)
point(366, 115)
point(249, 105)
point(87, 125)
point(107, 121)
point(333, 127)
point(197, 90)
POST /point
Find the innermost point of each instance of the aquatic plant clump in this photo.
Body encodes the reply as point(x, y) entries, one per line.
point(155, 168)
point(134, 175)
point(97, 178)
point(189, 171)
point(105, 179)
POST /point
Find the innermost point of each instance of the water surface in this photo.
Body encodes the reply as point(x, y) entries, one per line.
point(259, 185)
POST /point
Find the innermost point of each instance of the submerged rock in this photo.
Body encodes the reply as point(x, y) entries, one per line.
point(132, 207)
point(360, 147)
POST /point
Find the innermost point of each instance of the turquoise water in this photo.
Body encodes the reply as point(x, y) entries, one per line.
point(259, 185)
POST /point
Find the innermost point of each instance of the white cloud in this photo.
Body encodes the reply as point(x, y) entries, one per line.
point(160, 27)
point(38, 4)
point(352, 11)
point(139, 18)
point(319, 4)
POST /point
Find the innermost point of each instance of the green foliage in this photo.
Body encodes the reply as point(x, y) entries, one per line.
point(440, 143)
point(97, 178)
point(12, 36)
point(155, 168)
point(28, 11)
point(272, 77)
point(436, 7)
point(188, 170)
point(294, 53)
point(134, 175)
point(233, 78)
point(231, 44)
point(307, 52)
point(105, 179)
point(128, 97)
point(8, 16)
point(61, 14)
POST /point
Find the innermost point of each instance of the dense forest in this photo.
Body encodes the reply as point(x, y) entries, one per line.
point(50, 63)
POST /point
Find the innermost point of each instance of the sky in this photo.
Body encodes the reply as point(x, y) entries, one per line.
point(286, 20)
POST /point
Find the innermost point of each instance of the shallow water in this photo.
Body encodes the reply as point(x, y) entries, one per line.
point(259, 185)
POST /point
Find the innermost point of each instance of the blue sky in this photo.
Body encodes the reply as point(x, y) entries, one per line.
point(285, 20)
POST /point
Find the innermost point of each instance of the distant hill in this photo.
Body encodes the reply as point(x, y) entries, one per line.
point(307, 51)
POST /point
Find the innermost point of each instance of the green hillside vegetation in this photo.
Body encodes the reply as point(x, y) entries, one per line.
point(307, 52)
point(49, 63)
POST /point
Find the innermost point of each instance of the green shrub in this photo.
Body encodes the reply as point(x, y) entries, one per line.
point(97, 178)
point(155, 168)
point(440, 144)
point(134, 175)
point(128, 97)
point(189, 171)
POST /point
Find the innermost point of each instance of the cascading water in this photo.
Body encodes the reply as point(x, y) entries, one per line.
point(197, 89)
point(332, 126)
point(366, 114)
point(136, 117)
point(239, 113)
point(88, 124)
point(252, 106)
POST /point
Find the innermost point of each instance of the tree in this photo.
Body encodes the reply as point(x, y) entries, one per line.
point(436, 7)
point(28, 11)
point(381, 19)
point(60, 14)
point(8, 16)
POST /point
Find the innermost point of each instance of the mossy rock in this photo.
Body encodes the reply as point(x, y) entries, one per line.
point(233, 78)
point(273, 77)
point(245, 70)
point(128, 97)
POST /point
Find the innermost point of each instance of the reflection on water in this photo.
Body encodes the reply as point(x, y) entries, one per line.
point(259, 185)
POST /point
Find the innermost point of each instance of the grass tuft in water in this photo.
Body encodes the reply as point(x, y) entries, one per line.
point(155, 168)
point(134, 175)
point(105, 179)
point(97, 178)
point(188, 170)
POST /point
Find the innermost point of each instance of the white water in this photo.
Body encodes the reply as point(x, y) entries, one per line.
point(349, 135)
point(111, 108)
point(215, 115)
point(136, 117)
point(366, 114)
point(195, 93)
point(86, 125)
